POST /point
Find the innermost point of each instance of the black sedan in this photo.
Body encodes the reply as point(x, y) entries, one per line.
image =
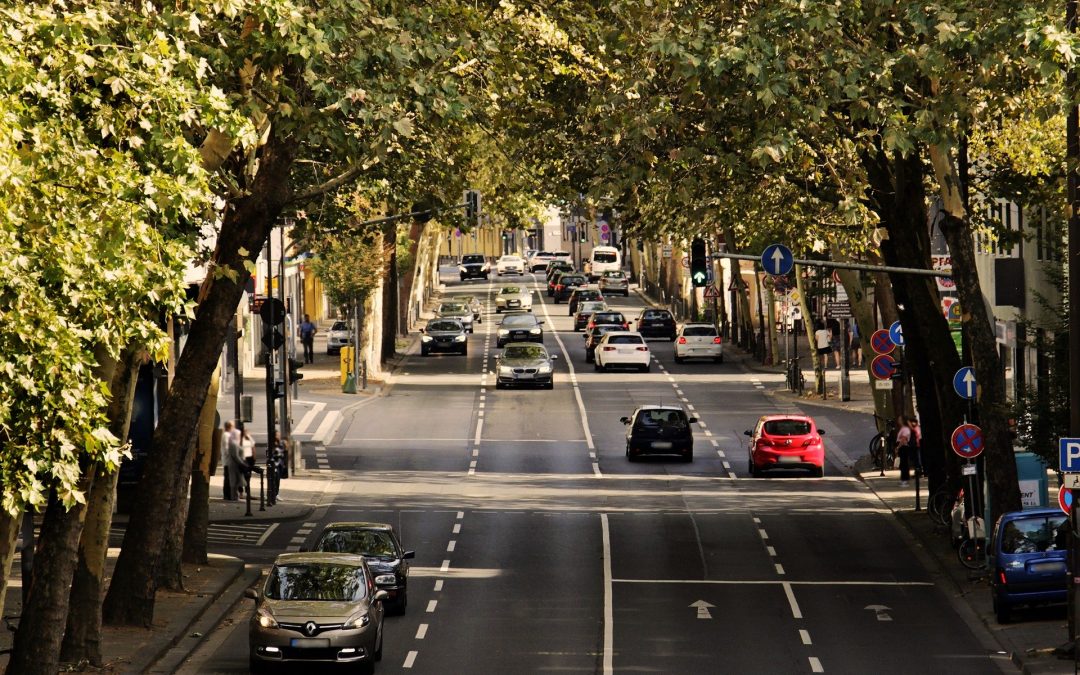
point(386, 558)
point(444, 335)
point(566, 285)
point(659, 430)
point(593, 335)
point(519, 328)
point(656, 323)
point(523, 364)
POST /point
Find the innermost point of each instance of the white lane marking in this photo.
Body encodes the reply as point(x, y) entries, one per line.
point(438, 585)
point(410, 659)
point(475, 452)
point(310, 524)
point(670, 378)
point(304, 530)
point(307, 420)
point(727, 465)
point(815, 665)
point(451, 546)
point(460, 515)
point(720, 453)
point(421, 631)
point(457, 528)
point(431, 606)
point(767, 582)
point(262, 539)
point(298, 540)
point(684, 399)
point(609, 612)
point(779, 569)
point(479, 429)
point(445, 567)
point(689, 407)
point(795, 611)
point(678, 391)
point(715, 443)
point(804, 635)
point(763, 533)
point(771, 550)
point(757, 521)
point(326, 428)
point(596, 470)
point(708, 433)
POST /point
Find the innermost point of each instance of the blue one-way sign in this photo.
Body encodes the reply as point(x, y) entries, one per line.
point(777, 259)
point(1069, 451)
point(963, 382)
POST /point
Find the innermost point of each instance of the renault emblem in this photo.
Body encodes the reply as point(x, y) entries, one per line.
point(310, 627)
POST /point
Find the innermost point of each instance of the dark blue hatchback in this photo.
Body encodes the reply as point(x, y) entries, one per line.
point(1027, 559)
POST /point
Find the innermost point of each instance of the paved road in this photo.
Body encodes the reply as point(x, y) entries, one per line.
point(539, 547)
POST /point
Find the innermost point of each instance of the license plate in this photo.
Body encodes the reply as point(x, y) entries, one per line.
point(310, 643)
point(662, 445)
point(1049, 566)
point(524, 376)
point(789, 460)
point(520, 334)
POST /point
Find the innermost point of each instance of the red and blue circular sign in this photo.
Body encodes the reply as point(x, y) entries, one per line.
point(883, 367)
point(967, 441)
point(881, 343)
point(1065, 499)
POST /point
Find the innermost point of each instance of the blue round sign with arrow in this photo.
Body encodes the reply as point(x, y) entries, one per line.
point(964, 382)
point(777, 259)
point(896, 332)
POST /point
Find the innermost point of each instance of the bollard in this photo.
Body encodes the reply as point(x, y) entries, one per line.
point(918, 473)
point(247, 493)
point(262, 498)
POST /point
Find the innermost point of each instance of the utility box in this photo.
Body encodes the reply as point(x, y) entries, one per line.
point(247, 408)
point(1031, 473)
point(346, 360)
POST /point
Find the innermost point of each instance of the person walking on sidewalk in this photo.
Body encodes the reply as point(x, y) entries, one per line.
point(822, 344)
point(247, 454)
point(275, 468)
point(233, 460)
point(307, 338)
point(905, 448)
point(855, 342)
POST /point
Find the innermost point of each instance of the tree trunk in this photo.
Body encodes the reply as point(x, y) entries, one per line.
point(809, 326)
point(389, 309)
point(37, 642)
point(9, 534)
point(246, 226)
point(170, 574)
point(82, 639)
point(198, 515)
point(862, 312)
point(416, 231)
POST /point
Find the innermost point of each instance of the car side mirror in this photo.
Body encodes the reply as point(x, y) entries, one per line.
point(821, 432)
point(408, 555)
point(747, 433)
point(421, 330)
point(251, 593)
point(541, 323)
point(380, 596)
point(554, 357)
point(693, 420)
point(624, 420)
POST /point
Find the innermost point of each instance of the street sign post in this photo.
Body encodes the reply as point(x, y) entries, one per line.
point(881, 343)
point(963, 383)
point(967, 441)
point(1069, 454)
point(896, 334)
point(1065, 499)
point(777, 259)
point(883, 367)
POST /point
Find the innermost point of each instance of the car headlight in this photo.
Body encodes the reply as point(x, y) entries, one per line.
point(506, 370)
point(544, 369)
point(358, 620)
point(535, 331)
point(265, 618)
point(461, 268)
point(504, 331)
point(426, 338)
point(459, 338)
point(386, 579)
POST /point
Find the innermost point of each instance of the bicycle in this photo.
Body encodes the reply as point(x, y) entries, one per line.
point(972, 550)
point(795, 379)
point(882, 449)
point(940, 505)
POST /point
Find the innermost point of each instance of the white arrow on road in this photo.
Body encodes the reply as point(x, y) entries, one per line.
point(778, 260)
point(702, 609)
point(880, 612)
point(969, 380)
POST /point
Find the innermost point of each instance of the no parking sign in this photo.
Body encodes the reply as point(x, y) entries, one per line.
point(967, 441)
point(881, 343)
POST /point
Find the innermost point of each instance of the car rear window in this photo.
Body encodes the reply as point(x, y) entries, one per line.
point(663, 417)
point(787, 427)
point(444, 325)
point(604, 257)
point(571, 279)
point(610, 317)
point(1034, 534)
point(657, 314)
point(625, 340)
point(472, 259)
point(699, 331)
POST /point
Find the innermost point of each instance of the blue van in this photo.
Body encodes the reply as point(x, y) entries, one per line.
point(1027, 560)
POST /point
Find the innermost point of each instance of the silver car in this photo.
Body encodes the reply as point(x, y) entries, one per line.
point(457, 311)
point(317, 608)
point(474, 303)
point(513, 299)
point(521, 363)
point(611, 283)
point(338, 337)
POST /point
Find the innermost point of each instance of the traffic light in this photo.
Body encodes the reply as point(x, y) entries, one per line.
point(699, 264)
point(583, 234)
point(472, 208)
point(279, 389)
point(294, 370)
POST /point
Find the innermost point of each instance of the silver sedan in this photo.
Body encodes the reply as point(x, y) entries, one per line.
point(513, 299)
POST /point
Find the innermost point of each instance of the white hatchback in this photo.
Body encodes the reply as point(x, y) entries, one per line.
point(510, 264)
point(698, 341)
point(622, 349)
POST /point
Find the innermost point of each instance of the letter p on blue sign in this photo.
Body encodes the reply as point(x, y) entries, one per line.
point(1069, 452)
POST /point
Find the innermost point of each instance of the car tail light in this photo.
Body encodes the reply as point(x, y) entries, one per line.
point(1001, 576)
point(626, 325)
point(643, 348)
point(717, 341)
point(811, 441)
point(682, 340)
point(609, 349)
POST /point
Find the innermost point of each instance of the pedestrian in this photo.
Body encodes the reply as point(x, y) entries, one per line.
point(904, 448)
point(275, 468)
point(822, 344)
point(307, 338)
point(855, 341)
point(247, 453)
point(233, 461)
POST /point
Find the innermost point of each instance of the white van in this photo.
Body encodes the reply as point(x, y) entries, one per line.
point(604, 259)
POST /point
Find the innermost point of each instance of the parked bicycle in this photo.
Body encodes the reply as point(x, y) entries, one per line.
point(795, 380)
point(940, 504)
point(883, 447)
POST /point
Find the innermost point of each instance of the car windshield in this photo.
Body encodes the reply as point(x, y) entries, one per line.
point(316, 581)
point(510, 290)
point(444, 326)
point(700, 331)
point(656, 314)
point(610, 317)
point(625, 340)
point(605, 257)
point(524, 352)
point(519, 320)
point(372, 543)
point(339, 325)
point(613, 275)
point(466, 260)
point(591, 306)
point(662, 417)
point(451, 308)
point(787, 427)
point(1034, 534)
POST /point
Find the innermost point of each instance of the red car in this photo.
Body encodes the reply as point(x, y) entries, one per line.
point(786, 442)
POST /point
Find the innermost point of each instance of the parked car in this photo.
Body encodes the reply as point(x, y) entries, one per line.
point(566, 285)
point(586, 310)
point(386, 557)
point(523, 364)
point(622, 349)
point(581, 294)
point(337, 337)
point(475, 304)
point(316, 608)
point(786, 442)
point(456, 310)
point(444, 335)
point(510, 264)
point(592, 338)
point(659, 430)
point(608, 317)
point(615, 282)
point(513, 299)
point(698, 341)
point(474, 266)
point(519, 327)
point(656, 323)
point(1027, 558)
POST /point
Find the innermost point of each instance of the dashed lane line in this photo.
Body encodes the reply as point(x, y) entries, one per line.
point(804, 635)
point(421, 631)
point(410, 659)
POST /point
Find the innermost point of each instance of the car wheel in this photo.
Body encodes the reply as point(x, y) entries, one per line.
point(688, 457)
point(588, 357)
point(499, 385)
point(463, 277)
point(629, 456)
point(1001, 611)
point(671, 338)
point(679, 359)
point(499, 345)
point(498, 311)
point(366, 667)
point(720, 359)
point(556, 299)
point(818, 472)
point(646, 368)
point(598, 366)
point(549, 385)
point(378, 647)
point(464, 351)
point(423, 352)
point(754, 471)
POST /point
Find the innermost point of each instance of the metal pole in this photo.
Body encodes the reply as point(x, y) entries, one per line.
point(845, 382)
point(234, 363)
point(1072, 152)
point(843, 265)
point(271, 422)
point(285, 398)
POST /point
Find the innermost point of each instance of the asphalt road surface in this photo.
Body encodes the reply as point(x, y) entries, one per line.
point(541, 548)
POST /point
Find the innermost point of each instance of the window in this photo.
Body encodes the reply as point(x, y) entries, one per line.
point(605, 257)
point(524, 352)
point(371, 543)
point(472, 259)
point(1047, 235)
point(1034, 535)
point(699, 331)
point(444, 326)
point(510, 290)
point(625, 340)
point(339, 325)
point(787, 427)
point(329, 582)
point(519, 321)
point(662, 418)
point(613, 275)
